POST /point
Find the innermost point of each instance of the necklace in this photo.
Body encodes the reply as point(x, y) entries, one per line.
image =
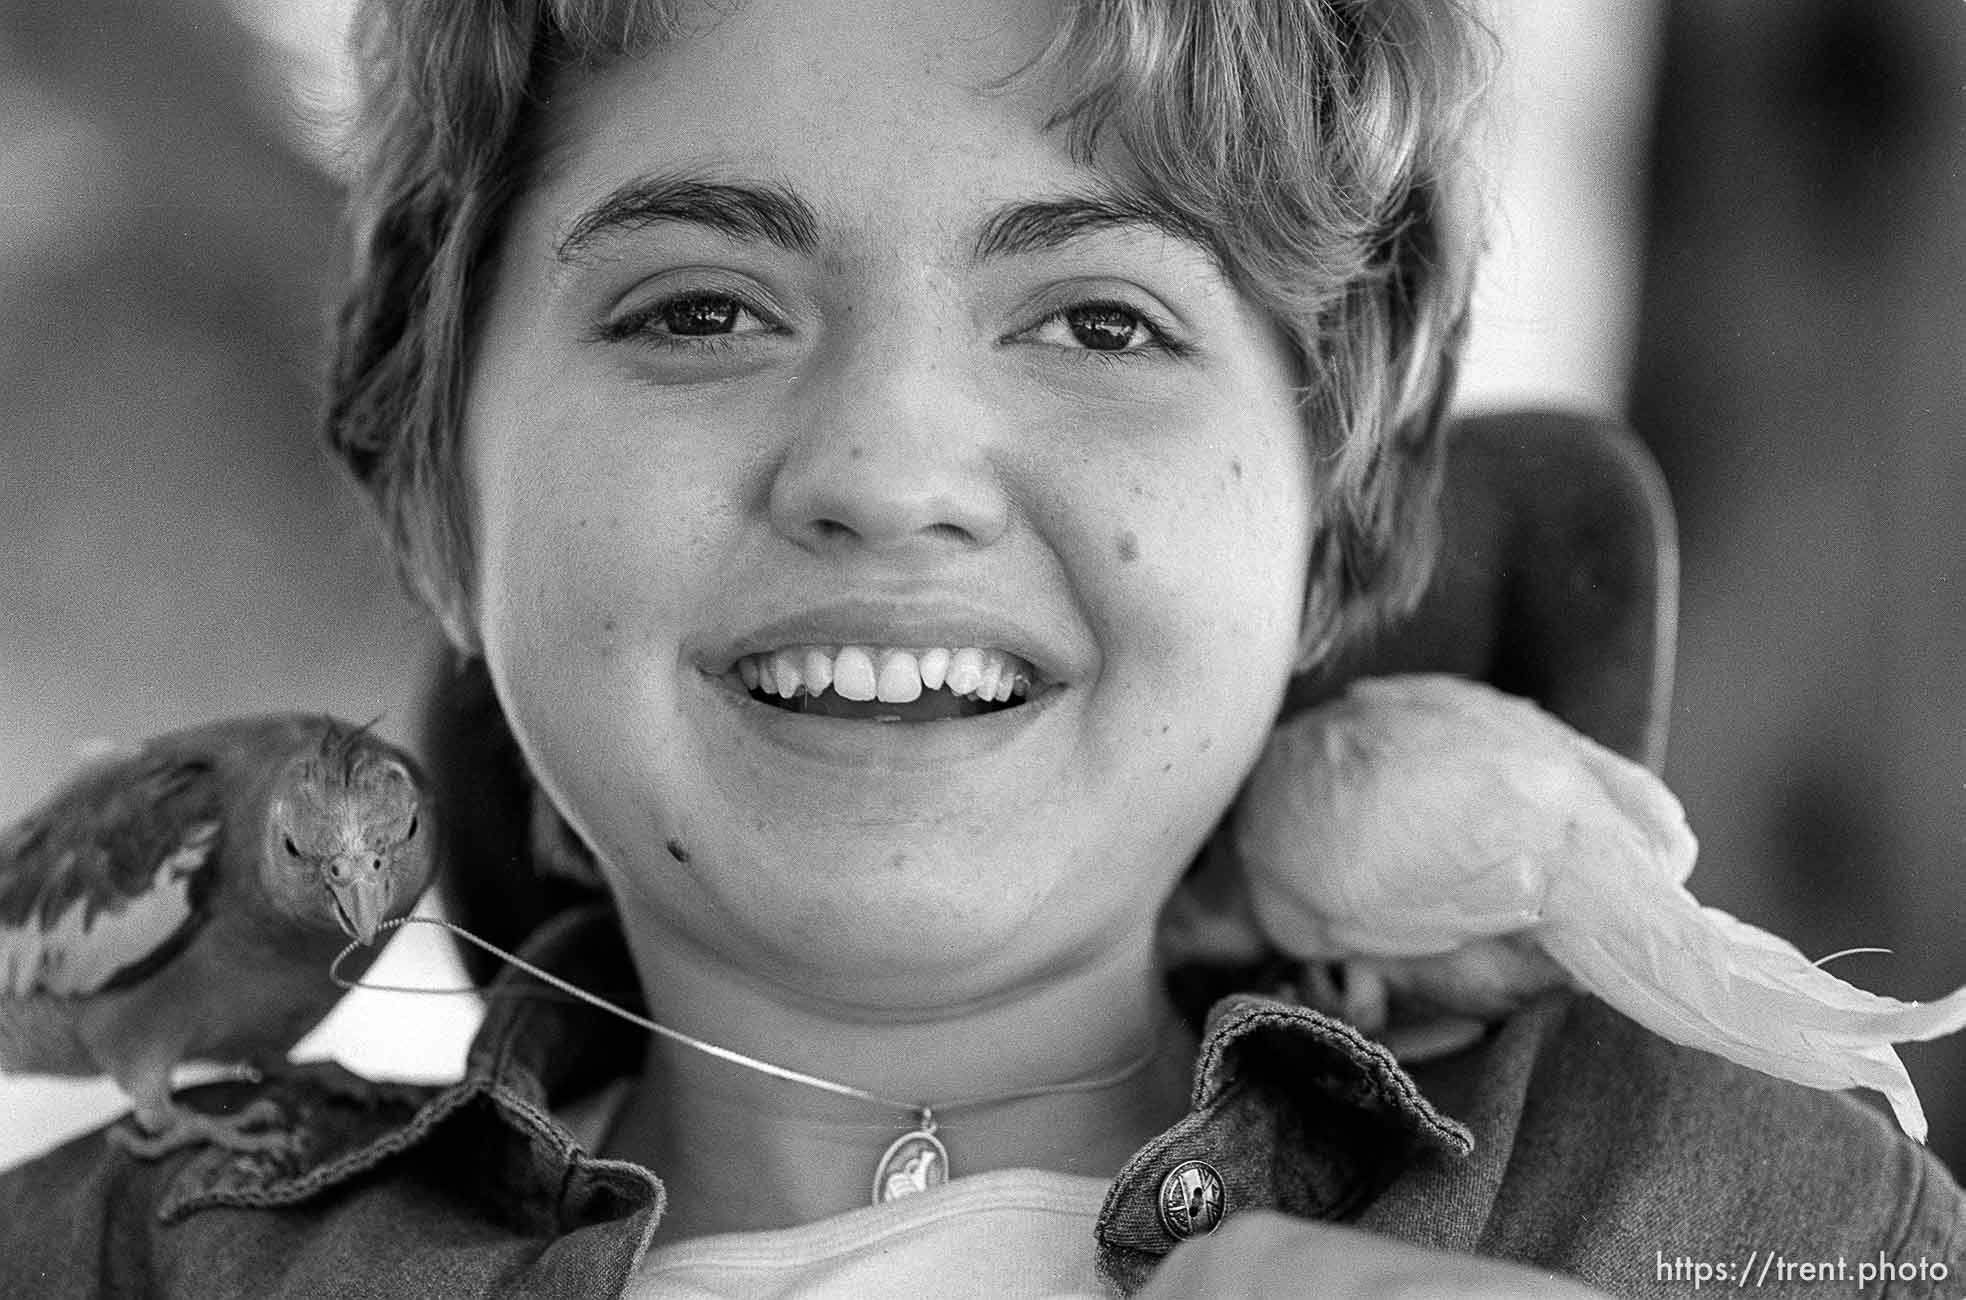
point(914, 1162)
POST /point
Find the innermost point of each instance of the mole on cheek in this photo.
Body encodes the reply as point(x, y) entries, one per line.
point(1129, 547)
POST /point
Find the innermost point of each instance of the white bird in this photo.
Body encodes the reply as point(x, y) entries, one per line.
point(1439, 836)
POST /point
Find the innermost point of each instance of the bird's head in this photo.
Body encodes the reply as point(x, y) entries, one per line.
point(348, 842)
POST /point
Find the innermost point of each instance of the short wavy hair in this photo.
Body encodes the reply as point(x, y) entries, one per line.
point(1324, 145)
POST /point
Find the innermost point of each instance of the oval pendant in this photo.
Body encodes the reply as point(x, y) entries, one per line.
point(914, 1162)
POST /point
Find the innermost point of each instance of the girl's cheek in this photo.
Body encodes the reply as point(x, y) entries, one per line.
point(583, 582)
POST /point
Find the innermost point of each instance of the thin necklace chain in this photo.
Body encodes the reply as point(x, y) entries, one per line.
point(925, 1115)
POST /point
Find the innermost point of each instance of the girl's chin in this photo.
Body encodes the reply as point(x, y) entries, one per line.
point(849, 800)
point(908, 921)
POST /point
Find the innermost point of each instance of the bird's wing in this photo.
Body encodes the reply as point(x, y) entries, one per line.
point(108, 879)
point(1354, 845)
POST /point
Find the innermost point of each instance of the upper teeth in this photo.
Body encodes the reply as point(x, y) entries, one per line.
point(890, 675)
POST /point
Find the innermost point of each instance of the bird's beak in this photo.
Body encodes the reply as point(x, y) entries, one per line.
point(361, 900)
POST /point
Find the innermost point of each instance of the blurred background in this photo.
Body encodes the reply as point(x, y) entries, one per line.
point(1742, 225)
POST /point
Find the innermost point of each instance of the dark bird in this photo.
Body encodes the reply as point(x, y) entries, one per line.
point(185, 900)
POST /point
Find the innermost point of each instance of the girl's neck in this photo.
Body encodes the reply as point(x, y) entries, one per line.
point(742, 1150)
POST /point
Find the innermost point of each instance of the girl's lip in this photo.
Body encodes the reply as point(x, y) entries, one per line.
point(904, 625)
point(910, 749)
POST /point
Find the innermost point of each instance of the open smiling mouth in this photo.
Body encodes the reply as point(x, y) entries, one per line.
point(887, 684)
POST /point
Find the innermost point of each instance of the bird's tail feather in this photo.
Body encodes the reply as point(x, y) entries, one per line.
point(1703, 978)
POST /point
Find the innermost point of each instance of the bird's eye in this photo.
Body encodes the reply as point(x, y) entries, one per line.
point(292, 849)
point(410, 834)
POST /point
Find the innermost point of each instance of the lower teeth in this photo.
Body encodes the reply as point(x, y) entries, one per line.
point(931, 706)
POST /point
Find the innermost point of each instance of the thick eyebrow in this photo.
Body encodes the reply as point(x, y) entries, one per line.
point(1049, 224)
point(778, 215)
point(746, 210)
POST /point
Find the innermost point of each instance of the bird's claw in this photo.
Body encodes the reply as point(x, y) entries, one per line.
point(1355, 991)
point(256, 1130)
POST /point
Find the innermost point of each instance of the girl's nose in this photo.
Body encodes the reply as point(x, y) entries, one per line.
point(889, 455)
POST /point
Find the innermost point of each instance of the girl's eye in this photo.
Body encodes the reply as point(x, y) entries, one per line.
point(689, 318)
point(1109, 328)
point(696, 317)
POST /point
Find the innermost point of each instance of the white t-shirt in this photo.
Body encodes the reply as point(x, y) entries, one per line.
point(1008, 1233)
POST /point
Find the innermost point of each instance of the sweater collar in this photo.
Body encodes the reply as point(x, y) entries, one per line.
point(1293, 1109)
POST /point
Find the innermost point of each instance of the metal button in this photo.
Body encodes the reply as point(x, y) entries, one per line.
point(1192, 1200)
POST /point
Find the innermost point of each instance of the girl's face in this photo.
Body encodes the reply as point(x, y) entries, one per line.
point(812, 352)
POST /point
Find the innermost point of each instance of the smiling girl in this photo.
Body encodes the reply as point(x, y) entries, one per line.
point(888, 523)
point(891, 458)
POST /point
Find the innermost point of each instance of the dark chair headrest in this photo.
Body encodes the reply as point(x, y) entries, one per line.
point(1558, 579)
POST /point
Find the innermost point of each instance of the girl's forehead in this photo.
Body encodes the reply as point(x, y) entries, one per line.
point(818, 89)
point(882, 139)
point(784, 36)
